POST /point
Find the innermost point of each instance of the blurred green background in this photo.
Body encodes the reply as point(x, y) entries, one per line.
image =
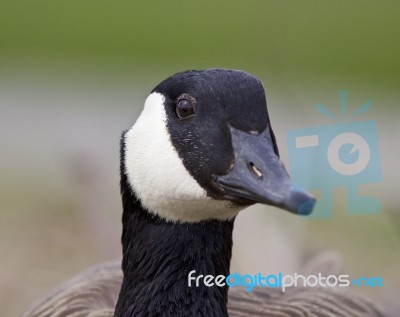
point(74, 74)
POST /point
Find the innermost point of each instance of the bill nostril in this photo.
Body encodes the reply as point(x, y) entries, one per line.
point(256, 170)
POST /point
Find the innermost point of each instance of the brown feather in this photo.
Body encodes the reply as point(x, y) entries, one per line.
point(94, 293)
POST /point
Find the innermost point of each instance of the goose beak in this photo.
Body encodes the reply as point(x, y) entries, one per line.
point(258, 175)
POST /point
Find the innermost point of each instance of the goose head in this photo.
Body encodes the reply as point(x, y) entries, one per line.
point(203, 149)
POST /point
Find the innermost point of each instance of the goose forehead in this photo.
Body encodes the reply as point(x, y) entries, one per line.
point(236, 95)
point(157, 174)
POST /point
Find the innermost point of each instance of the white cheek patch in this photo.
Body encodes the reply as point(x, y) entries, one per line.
point(157, 174)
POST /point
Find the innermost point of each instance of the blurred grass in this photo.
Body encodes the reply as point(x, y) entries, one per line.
point(355, 39)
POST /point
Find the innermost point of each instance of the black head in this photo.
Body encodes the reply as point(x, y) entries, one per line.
point(203, 148)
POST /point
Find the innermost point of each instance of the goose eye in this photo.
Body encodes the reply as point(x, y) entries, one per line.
point(185, 108)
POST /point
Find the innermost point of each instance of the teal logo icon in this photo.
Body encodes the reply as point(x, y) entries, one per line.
point(343, 154)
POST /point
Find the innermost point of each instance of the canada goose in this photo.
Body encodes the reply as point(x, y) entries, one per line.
point(202, 150)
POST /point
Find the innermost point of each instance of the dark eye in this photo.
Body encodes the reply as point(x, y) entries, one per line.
point(185, 108)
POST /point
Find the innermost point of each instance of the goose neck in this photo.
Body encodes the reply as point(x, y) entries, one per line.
point(157, 258)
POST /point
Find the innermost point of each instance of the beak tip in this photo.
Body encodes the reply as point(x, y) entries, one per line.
point(307, 207)
point(300, 201)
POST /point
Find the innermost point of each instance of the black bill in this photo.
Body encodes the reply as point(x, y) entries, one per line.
point(258, 175)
